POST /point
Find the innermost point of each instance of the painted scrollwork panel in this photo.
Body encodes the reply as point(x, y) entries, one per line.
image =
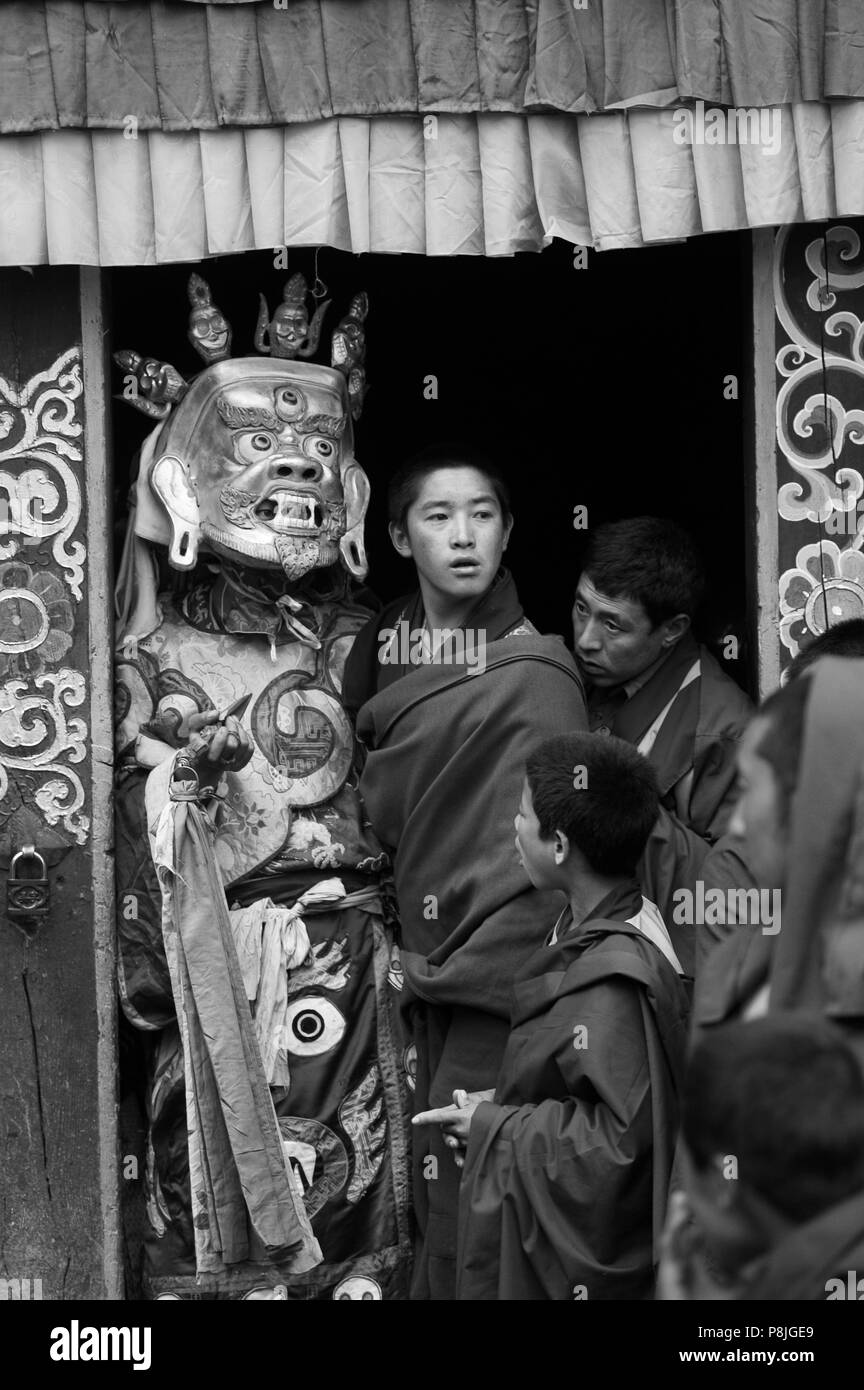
point(40, 425)
point(818, 284)
point(38, 735)
point(42, 736)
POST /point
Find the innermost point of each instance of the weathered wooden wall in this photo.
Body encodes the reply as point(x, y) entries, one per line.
point(59, 1170)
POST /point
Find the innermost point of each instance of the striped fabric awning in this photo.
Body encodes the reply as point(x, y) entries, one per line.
point(137, 133)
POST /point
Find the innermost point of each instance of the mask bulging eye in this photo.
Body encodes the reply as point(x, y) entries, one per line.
point(317, 447)
point(252, 445)
point(290, 403)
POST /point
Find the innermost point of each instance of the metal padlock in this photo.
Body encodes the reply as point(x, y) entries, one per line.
point(28, 897)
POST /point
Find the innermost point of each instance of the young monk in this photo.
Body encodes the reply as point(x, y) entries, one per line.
point(454, 687)
point(566, 1169)
point(773, 1166)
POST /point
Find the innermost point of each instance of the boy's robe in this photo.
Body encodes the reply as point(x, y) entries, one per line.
point(441, 785)
point(801, 1267)
point(564, 1187)
point(693, 755)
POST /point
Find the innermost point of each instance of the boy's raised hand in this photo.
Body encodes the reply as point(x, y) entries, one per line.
point(455, 1119)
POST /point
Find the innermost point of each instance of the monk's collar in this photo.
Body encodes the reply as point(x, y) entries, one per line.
point(630, 687)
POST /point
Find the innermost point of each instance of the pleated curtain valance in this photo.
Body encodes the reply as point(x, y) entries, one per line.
point(137, 133)
point(470, 185)
point(199, 65)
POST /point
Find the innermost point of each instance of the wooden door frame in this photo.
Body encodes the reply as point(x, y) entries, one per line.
point(763, 599)
point(98, 480)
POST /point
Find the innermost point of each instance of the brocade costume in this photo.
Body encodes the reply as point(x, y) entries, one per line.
point(255, 954)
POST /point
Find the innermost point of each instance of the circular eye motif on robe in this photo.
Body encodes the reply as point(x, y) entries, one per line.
point(317, 1159)
point(358, 1289)
point(313, 1025)
point(409, 1066)
point(306, 738)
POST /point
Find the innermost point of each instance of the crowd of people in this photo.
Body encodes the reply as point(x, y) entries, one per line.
point(630, 921)
point(467, 964)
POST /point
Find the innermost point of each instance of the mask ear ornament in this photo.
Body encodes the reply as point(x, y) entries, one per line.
point(355, 488)
point(172, 484)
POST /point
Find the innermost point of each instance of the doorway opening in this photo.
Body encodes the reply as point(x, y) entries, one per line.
point(607, 391)
point(618, 387)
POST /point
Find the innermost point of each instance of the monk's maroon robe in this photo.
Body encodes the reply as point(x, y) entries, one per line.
point(697, 741)
point(446, 760)
point(564, 1188)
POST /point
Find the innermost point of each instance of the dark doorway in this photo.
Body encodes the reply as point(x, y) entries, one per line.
point(604, 387)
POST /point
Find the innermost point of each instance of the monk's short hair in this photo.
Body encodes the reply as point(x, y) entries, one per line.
point(843, 639)
point(784, 1097)
point(648, 560)
point(405, 485)
point(599, 792)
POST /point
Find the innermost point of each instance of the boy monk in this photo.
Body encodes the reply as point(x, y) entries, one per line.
point(566, 1169)
point(454, 687)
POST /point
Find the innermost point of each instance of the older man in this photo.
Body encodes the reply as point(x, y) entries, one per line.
point(653, 685)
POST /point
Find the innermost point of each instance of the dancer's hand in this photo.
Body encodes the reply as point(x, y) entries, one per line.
point(229, 747)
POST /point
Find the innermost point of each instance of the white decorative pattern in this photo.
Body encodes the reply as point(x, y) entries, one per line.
point(39, 424)
point(36, 731)
point(815, 429)
point(41, 466)
point(804, 365)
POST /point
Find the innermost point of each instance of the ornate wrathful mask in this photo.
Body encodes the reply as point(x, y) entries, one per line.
point(257, 462)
